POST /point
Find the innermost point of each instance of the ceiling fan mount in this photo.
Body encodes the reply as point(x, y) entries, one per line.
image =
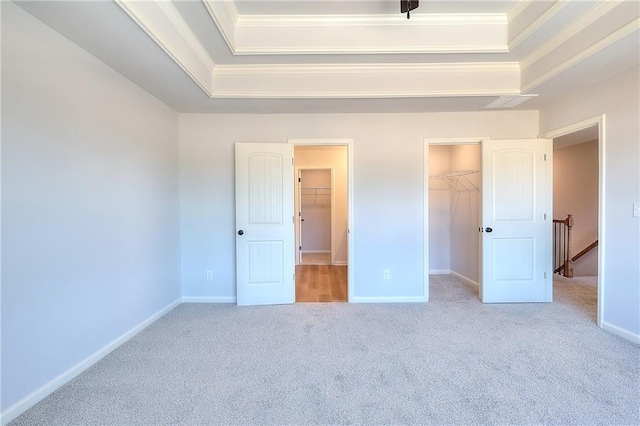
point(407, 6)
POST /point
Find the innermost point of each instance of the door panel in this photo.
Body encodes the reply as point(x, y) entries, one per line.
point(516, 195)
point(264, 224)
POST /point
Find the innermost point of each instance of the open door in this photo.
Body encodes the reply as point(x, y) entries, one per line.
point(516, 221)
point(264, 224)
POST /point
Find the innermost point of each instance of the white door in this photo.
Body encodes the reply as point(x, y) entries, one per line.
point(264, 224)
point(516, 221)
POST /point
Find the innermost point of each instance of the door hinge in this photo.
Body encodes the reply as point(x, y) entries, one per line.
point(545, 157)
point(293, 219)
point(293, 162)
point(294, 278)
point(545, 216)
point(299, 180)
point(545, 275)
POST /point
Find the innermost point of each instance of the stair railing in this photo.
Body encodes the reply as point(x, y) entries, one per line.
point(562, 246)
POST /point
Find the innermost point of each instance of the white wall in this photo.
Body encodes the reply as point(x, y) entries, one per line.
point(388, 188)
point(439, 210)
point(335, 157)
point(465, 214)
point(617, 98)
point(90, 228)
point(575, 191)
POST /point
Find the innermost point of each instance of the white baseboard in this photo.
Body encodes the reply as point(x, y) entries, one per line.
point(315, 251)
point(390, 299)
point(211, 299)
point(463, 278)
point(39, 394)
point(340, 263)
point(439, 272)
point(625, 334)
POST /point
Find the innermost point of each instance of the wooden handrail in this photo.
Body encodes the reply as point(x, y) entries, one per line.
point(585, 251)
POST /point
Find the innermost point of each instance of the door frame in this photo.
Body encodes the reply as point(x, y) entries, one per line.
point(425, 173)
point(598, 120)
point(350, 222)
point(298, 195)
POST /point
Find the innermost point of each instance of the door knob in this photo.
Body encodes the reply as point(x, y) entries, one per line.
point(241, 232)
point(488, 229)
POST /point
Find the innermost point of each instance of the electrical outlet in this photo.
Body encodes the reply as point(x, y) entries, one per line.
point(209, 275)
point(386, 274)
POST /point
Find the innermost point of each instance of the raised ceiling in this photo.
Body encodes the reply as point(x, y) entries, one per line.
point(353, 56)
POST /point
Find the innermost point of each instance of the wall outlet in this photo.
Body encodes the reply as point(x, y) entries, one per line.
point(386, 274)
point(209, 275)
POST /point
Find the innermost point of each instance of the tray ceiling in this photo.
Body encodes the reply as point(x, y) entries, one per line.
point(352, 56)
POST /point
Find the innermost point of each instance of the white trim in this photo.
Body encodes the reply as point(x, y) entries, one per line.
point(439, 272)
point(587, 19)
point(208, 299)
point(350, 214)
point(373, 50)
point(338, 20)
point(340, 263)
point(389, 299)
point(473, 140)
point(535, 25)
point(599, 121)
point(364, 95)
point(592, 50)
point(225, 16)
point(39, 394)
point(465, 279)
point(516, 10)
point(625, 334)
point(166, 27)
point(371, 68)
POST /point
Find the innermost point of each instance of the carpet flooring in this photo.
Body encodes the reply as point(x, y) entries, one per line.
point(451, 361)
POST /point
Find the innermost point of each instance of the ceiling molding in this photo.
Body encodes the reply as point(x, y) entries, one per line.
point(592, 50)
point(370, 20)
point(366, 80)
point(516, 10)
point(225, 16)
point(341, 50)
point(576, 27)
point(537, 24)
point(462, 67)
point(164, 24)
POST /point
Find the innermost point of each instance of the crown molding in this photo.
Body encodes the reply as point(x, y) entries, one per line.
point(516, 10)
point(592, 50)
point(341, 50)
point(576, 27)
point(225, 15)
point(164, 24)
point(367, 80)
point(273, 69)
point(370, 20)
point(537, 24)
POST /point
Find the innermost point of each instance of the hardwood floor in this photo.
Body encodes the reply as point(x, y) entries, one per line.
point(321, 283)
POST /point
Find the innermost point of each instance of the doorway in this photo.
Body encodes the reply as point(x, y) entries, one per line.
point(514, 195)
point(322, 217)
point(454, 219)
point(577, 207)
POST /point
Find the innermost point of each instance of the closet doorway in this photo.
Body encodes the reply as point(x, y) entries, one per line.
point(454, 219)
point(322, 215)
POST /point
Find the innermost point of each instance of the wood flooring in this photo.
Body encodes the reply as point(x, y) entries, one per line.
point(321, 283)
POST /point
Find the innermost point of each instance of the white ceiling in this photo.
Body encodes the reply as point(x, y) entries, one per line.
point(302, 56)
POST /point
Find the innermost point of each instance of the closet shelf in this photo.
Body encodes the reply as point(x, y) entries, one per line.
point(458, 180)
point(315, 191)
